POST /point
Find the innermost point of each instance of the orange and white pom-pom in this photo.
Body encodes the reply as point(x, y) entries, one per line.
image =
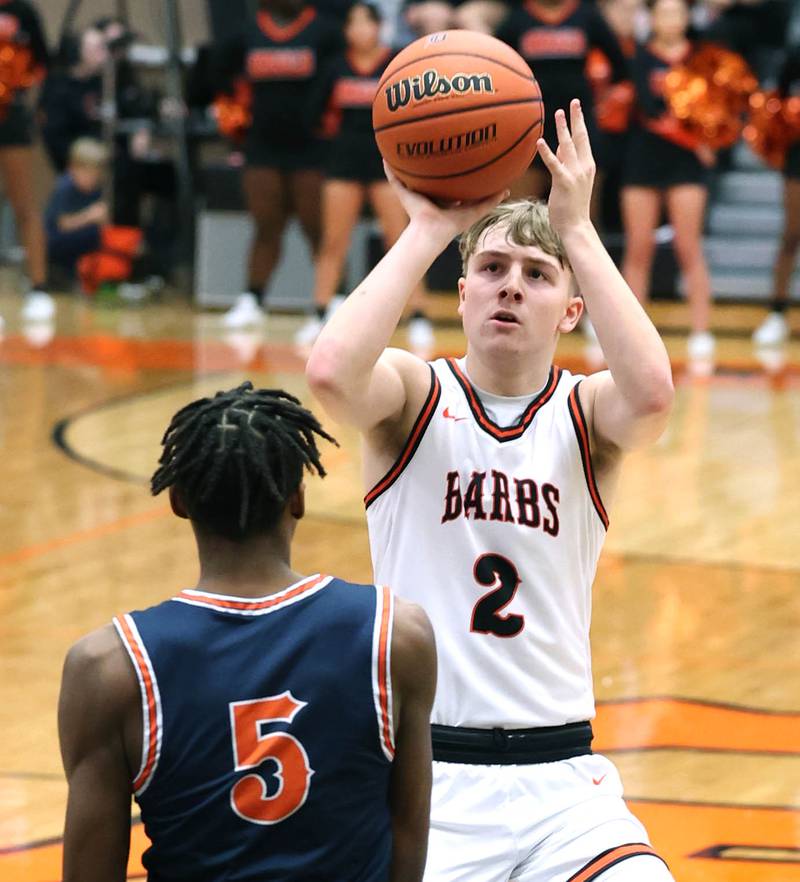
point(233, 112)
point(709, 94)
point(773, 126)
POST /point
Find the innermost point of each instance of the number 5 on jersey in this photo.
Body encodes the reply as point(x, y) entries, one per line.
point(252, 747)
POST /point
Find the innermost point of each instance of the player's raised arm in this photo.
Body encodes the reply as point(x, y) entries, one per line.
point(628, 406)
point(413, 685)
point(96, 686)
point(350, 369)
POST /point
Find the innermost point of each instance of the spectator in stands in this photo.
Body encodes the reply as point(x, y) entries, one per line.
point(286, 52)
point(21, 29)
point(775, 329)
point(69, 102)
point(69, 108)
point(665, 166)
point(76, 211)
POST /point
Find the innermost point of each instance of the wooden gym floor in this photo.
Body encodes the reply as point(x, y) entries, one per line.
point(697, 600)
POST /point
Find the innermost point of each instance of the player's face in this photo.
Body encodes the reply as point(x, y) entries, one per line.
point(669, 20)
point(515, 298)
point(361, 31)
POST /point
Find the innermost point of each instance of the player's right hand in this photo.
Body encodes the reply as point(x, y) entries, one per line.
point(446, 220)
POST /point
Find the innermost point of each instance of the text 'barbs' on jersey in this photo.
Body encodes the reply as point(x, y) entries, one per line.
point(492, 497)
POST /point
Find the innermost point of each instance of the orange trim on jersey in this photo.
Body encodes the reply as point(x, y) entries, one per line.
point(283, 33)
point(610, 858)
point(414, 439)
point(368, 70)
point(582, 433)
point(384, 684)
point(510, 432)
point(550, 16)
point(263, 603)
point(146, 679)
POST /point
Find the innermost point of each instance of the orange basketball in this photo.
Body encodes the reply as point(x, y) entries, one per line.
point(457, 115)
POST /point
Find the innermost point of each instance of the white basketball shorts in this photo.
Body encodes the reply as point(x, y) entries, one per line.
point(550, 822)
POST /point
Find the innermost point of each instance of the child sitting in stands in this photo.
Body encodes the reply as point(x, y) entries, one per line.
point(76, 211)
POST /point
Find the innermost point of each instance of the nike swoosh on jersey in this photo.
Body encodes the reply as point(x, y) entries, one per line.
point(450, 416)
point(599, 780)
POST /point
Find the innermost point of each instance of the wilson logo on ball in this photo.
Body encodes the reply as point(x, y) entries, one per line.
point(432, 84)
point(450, 144)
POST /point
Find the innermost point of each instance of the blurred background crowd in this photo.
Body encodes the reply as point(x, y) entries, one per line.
point(206, 144)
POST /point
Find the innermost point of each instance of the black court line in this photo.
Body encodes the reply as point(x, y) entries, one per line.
point(32, 776)
point(58, 434)
point(759, 853)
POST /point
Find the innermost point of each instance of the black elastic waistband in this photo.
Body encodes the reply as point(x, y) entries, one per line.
point(488, 747)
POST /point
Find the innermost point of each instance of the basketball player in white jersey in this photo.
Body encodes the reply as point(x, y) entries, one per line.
point(488, 480)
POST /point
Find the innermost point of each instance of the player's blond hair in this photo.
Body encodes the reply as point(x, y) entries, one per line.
point(526, 223)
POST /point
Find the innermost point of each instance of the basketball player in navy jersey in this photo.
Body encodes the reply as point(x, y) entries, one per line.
point(271, 726)
point(488, 484)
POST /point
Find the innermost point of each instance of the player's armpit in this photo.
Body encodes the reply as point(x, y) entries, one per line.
point(98, 684)
point(617, 422)
point(387, 393)
point(413, 687)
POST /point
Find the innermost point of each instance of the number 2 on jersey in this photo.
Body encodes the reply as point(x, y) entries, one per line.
point(251, 747)
point(502, 575)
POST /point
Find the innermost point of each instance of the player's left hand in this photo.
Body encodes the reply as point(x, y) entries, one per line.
point(572, 169)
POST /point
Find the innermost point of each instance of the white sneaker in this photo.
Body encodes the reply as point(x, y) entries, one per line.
point(38, 307)
point(244, 313)
point(420, 333)
point(308, 332)
point(772, 331)
point(38, 334)
point(700, 345)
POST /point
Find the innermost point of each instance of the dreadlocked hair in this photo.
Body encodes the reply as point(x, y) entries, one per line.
point(236, 458)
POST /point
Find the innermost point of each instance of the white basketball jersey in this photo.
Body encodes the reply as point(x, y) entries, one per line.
point(496, 533)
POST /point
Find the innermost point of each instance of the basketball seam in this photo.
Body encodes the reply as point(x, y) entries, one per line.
point(528, 76)
point(471, 171)
point(460, 110)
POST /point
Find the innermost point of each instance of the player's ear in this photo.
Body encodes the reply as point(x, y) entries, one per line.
point(177, 504)
point(297, 502)
point(573, 312)
point(462, 287)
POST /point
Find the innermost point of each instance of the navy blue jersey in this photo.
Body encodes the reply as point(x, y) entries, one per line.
point(268, 740)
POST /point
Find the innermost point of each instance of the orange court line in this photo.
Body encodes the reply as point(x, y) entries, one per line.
point(125, 354)
point(40, 548)
point(674, 722)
